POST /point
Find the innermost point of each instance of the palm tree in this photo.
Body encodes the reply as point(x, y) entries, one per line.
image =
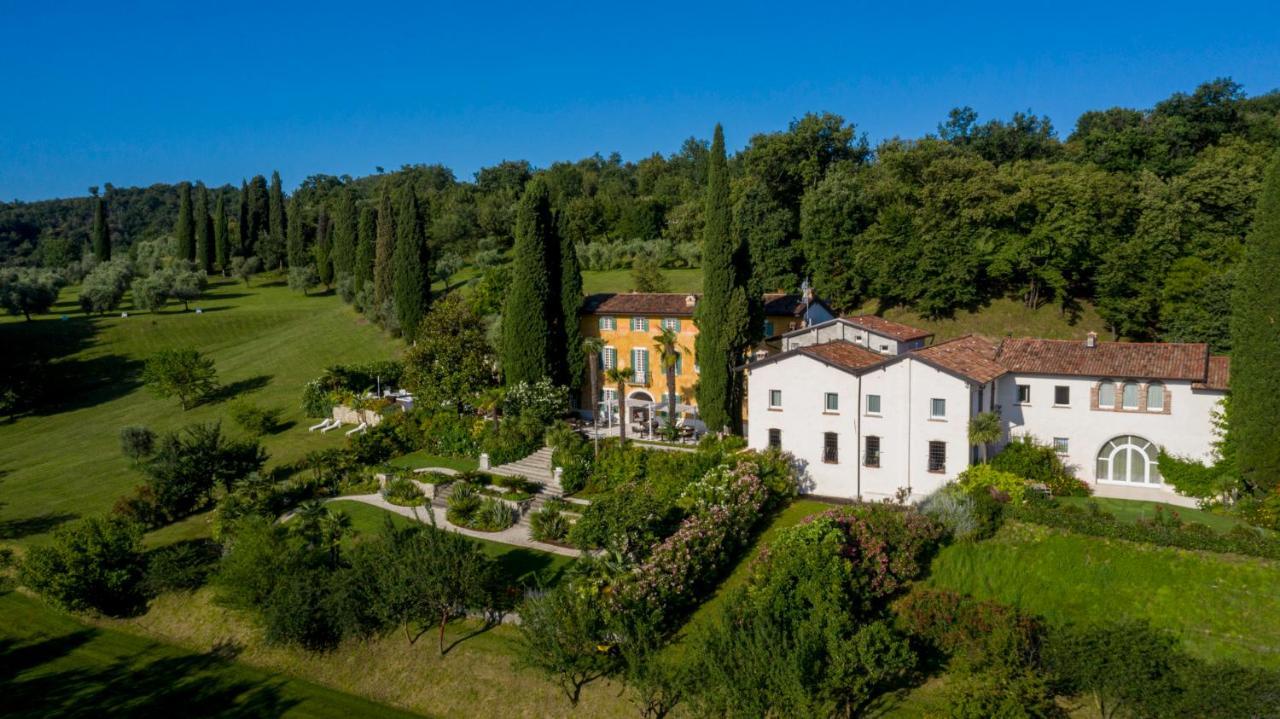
point(332, 527)
point(984, 429)
point(591, 348)
point(621, 376)
point(668, 356)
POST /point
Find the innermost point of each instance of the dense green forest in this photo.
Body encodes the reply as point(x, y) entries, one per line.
point(1141, 212)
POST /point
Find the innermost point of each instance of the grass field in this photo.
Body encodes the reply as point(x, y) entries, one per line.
point(1222, 605)
point(266, 341)
point(420, 459)
point(54, 666)
point(1132, 510)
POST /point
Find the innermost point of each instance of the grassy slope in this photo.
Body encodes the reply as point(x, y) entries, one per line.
point(1005, 317)
point(53, 666)
point(1133, 510)
point(1222, 605)
point(420, 459)
point(267, 340)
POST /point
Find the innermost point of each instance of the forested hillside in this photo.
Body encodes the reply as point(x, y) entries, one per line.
point(1142, 212)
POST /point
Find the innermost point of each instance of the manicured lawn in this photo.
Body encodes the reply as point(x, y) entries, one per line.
point(1223, 606)
point(54, 666)
point(1132, 510)
point(620, 280)
point(420, 459)
point(1004, 317)
point(527, 566)
point(266, 341)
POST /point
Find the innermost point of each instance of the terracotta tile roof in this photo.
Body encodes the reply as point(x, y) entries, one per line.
point(670, 304)
point(888, 328)
point(1139, 360)
point(1219, 376)
point(970, 356)
point(843, 354)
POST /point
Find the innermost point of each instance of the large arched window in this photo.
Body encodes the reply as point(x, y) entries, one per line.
point(1129, 459)
point(1129, 395)
point(1155, 397)
point(1107, 394)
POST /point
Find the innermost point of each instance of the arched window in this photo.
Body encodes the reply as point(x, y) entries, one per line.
point(1107, 394)
point(1129, 459)
point(1129, 396)
point(1155, 397)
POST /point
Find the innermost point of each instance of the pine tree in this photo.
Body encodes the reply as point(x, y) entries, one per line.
point(295, 238)
point(221, 234)
point(324, 249)
point(384, 252)
point(204, 229)
point(101, 232)
point(723, 313)
point(570, 304)
point(412, 258)
point(244, 247)
point(1255, 345)
point(344, 234)
point(277, 223)
point(366, 232)
point(186, 230)
point(531, 312)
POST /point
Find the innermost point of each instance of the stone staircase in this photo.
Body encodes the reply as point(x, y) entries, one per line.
point(536, 467)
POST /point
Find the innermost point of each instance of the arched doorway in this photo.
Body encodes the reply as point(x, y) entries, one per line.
point(640, 412)
point(1129, 459)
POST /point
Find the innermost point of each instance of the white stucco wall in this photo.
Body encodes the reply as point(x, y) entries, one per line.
point(841, 330)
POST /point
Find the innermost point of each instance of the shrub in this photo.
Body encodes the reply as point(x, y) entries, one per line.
point(439, 479)
point(513, 439)
point(494, 515)
point(317, 401)
point(985, 476)
point(541, 401)
point(572, 453)
point(404, 493)
point(396, 435)
point(1117, 665)
point(141, 506)
point(548, 524)
point(955, 510)
point(181, 567)
point(451, 434)
point(464, 502)
point(1040, 463)
point(629, 521)
point(93, 564)
point(1002, 693)
point(136, 442)
point(974, 634)
point(255, 420)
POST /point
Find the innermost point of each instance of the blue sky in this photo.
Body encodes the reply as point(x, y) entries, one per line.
point(136, 93)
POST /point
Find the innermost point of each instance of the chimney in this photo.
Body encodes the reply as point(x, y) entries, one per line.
point(1091, 340)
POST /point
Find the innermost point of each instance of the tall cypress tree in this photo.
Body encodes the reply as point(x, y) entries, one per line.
point(384, 251)
point(723, 313)
point(324, 248)
point(412, 258)
point(204, 229)
point(276, 224)
point(344, 234)
point(244, 247)
point(570, 304)
point(296, 239)
point(186, 229)
point(258, 212)
point(1255, 344)
point(221, 233)
point(366, 233)
point(533, 309)
point(101, 232)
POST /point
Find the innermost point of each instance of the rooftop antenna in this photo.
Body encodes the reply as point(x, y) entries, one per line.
point(806, 295)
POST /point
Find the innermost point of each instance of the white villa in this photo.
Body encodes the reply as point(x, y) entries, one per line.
point(867, 408)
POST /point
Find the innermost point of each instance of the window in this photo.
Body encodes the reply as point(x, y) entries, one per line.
point(1024, 394)
point(872, 457)
point(937, 456)
point(608, 323)
point(830, 448)
point(671, 323)
point(1129, 459)
point(1155, 397)
point(873, 404)
point(640, 365)
point(1107, 394)
point(639, 324)
point(1130, 395)
point(1060, 445)
point(679, 363)
point(609, 357)
point(775, 398)
point(768, 328)
point(884, 349)
point(775, 439)
point(1062, 396)
point(937, 408)
point(832, 402)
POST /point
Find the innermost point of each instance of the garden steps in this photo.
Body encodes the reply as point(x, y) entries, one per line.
point(536, 467)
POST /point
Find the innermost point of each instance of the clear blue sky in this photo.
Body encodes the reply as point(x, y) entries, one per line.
point(219, 91)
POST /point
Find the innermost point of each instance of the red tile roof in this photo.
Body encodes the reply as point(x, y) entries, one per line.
point(1139, 360)
point(1219, 377)
point(888, 328)
point(670, 304)
point(843, 354)
point(970, 356)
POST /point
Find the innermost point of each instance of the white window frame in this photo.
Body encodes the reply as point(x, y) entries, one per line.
point(827, 398)
point(879, 405)
point(1023, 389)
point(1137, 396)
point(1057, 387)
point(640, 365)
point(608, 323)
point(1164, 394)
point(1061, 445)
point(775, 399)
point(639, 324)
point(933, 405)
point(609, 357)
point(671, 323)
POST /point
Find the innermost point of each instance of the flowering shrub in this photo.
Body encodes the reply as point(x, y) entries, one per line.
point(542, 399)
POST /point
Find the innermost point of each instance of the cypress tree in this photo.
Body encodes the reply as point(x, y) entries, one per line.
point(186, 230)
point(324, 248)
point(366, 232)
point(532, 310)
point(412, 258)
point(276, 223)
point(204, 229)
point(296, 240)
point(384, 251)
point(244, 247)
point(1255, 344)
point(570, 303)
point(101, 232)
point(259, 239)
point(722, 315)
point(221, 233)
point(344, 234)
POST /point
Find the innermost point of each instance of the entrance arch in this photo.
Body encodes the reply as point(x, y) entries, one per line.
point(1129, 459)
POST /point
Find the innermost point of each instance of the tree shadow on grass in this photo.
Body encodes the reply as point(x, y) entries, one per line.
point(232, 390)
point(529, 567)
point(79, 684)
point(26, 526)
